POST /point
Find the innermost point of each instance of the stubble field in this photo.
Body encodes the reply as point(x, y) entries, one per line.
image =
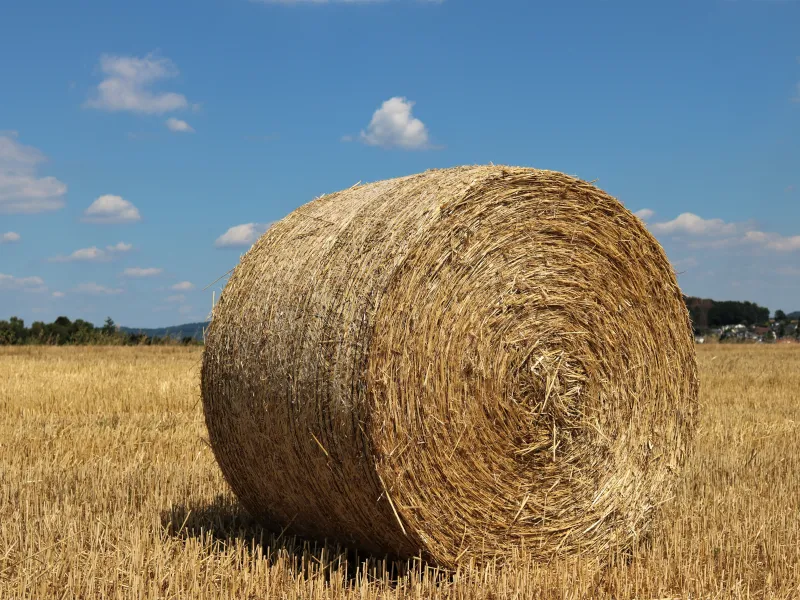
point(109, 490)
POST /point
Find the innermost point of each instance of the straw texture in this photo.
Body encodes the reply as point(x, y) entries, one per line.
point(455, 364)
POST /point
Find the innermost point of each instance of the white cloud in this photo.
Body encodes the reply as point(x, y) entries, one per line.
point(10, 237)
point(94, 288)
point(58, 294)
point(111, 209)
point(21, 190)
point(773, 241)
point(142, 272)
point(178, 126)
point(120, 247)
point(393, 126)
point(25, 284)
point(644, 214)
point(183, 286)
point(128, 83)
point(719, 234)
point(241, 235)
point(93, 253)
point(176, 298)
point(690, 223)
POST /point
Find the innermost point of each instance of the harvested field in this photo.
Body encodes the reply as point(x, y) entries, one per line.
point(108, 489)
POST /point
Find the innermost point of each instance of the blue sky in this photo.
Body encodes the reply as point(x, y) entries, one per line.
point(144, 145)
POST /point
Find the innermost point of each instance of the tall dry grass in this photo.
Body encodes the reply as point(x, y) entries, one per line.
point(108, 490)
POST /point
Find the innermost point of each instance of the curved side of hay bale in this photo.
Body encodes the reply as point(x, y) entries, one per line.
point(455, 363)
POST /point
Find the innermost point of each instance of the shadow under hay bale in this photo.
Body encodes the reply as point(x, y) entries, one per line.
point(223, 520)
point(224, 524)
point(463, 364)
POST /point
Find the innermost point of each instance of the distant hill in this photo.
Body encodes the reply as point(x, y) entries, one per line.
point(192, 330)
point(794, 315)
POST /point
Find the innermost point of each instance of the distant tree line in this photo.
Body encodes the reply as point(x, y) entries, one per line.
point(711, 313)
point(62, 331)
point(732, 313)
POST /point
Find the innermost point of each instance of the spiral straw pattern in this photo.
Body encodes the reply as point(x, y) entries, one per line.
point(456, 364)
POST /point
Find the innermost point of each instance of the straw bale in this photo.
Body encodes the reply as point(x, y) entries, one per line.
point(455, 364)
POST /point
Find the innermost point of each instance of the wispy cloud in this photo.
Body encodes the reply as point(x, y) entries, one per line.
point(110, 209)
point(241, 235)
point(394, 126)
point(686, 263)
point(788, 271)
point(689, 223)
point(128, 85)
point(120, 247)
point(21, 189)
point(176, 298)
point(10, 237)
point(183, 286)
point(96, 289)
point(178, 126)
point(93, 253)
point(644, 214)
point(142, 272)
point(24, 284)
point(719, 234)
point(773, 241)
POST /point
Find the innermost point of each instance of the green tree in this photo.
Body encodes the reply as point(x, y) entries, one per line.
point(81, 332)
point(6, 334)
point(732, 313)
point(37, 332)
point(63, 331)
point(780, 315)
point(59, 331)
point(12, 331)
point(696, 316)
point(109, 327)
point(18, 329)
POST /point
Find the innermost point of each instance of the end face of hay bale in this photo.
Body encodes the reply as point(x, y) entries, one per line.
point(456, 363)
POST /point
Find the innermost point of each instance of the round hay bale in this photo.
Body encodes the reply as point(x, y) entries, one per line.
point(454, 364)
